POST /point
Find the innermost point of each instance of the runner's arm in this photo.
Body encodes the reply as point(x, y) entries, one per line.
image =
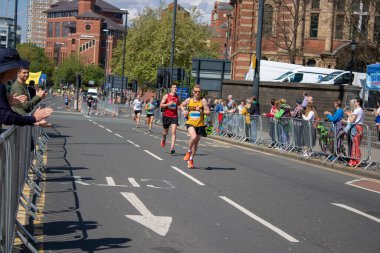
point(184, 104)
point(206, 109)
point(162, 104)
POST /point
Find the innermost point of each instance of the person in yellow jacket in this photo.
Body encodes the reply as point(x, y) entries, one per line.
point(194, 109)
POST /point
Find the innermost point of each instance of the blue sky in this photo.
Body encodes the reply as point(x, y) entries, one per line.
point(133, 6)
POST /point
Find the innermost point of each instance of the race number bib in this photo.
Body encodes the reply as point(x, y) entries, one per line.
point(195, 115)
point(172, 106)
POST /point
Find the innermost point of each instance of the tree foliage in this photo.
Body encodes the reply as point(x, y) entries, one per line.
point(149, 42)
point(37, 58)
point(69, 68)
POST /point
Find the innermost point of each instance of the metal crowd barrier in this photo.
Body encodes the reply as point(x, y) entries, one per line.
point(21, 164)
point(319, 139)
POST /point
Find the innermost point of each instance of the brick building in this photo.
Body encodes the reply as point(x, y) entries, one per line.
point(309, 32)
point(87, 29)
point(220, 28)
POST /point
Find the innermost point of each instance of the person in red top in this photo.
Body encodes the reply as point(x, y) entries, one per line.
point(170, 104)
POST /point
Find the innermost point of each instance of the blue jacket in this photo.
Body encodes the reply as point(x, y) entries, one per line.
point(338, 115)
point(9, 117)
point(218, 108)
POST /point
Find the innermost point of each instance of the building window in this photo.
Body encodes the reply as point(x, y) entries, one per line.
point(340, 5)
point(268, 20)
point(315, 4)
point(57, 29)
point(377, 29)
point(73, 41)
point(65, 29)
point(339, 26)
point(314, 25)
point(50, 29)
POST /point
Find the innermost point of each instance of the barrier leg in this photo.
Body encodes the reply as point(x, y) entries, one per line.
point(26, 232)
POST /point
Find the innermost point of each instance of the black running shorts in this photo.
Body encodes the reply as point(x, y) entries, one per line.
point(167, 121)
point(198, 130)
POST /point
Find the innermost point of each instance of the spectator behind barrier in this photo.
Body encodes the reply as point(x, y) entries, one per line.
point(19, 87)
point(10, 63)
point(338, 114)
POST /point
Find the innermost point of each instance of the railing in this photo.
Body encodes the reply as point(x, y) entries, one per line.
point(21, 164)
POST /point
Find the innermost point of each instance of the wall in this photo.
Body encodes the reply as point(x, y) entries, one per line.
point(324, 95)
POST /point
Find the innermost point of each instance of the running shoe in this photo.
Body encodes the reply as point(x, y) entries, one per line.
point(190, 164)
point(187, 156)
point(172, 151)
point(162, 143)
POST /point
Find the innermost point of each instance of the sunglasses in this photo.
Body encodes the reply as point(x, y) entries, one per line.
point(196, 91)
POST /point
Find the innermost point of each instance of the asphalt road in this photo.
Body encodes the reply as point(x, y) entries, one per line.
point(111, 187)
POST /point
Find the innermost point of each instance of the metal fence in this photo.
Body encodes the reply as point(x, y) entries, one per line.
point(21, 164)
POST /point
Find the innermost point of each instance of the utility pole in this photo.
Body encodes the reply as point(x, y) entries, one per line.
point(173, 42)
point(256, 79)
point(124, 45)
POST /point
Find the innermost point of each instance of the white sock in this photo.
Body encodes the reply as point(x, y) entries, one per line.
point(191, 157)
point(189, 150)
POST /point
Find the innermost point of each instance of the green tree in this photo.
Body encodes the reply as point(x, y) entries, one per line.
point(71, 67)
point(37, 58)
point(149, 42)
point(68, 70)
point(94, 73)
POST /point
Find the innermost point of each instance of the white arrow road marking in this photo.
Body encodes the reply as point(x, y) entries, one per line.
point(150, 153)
point(159, 224)
point(357, 211)
point(260, 220)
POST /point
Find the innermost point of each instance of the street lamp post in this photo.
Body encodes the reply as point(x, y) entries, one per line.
point(256, 79)
point(124, 45)
point(353, 45)
point(173, 42)
point(106, 62)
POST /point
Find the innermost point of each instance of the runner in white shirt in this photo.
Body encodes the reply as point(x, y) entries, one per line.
point(137, 108)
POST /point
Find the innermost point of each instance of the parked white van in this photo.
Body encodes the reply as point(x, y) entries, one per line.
point(271, 69)
point(305, 75)
point(93, 92)
point(343, 78)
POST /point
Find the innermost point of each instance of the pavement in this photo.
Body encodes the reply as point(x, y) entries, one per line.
point(111, 187)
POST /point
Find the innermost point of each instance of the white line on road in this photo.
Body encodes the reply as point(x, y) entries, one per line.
point(133, 182)
point(150, 153)
point(94, 123)
point(260, 220)
point(110, 181)
point(118, 135)
point(90, 120)
point(137, 146)
point(188, 176)
point(108, 130)
point(352, 183)
point(101, 126)
point(357, 211)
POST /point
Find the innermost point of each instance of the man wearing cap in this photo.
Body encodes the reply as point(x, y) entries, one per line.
point(19, 87)
point(10, 63)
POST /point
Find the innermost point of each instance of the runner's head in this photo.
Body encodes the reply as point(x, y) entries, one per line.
point(197, 91)
point(173, 88)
